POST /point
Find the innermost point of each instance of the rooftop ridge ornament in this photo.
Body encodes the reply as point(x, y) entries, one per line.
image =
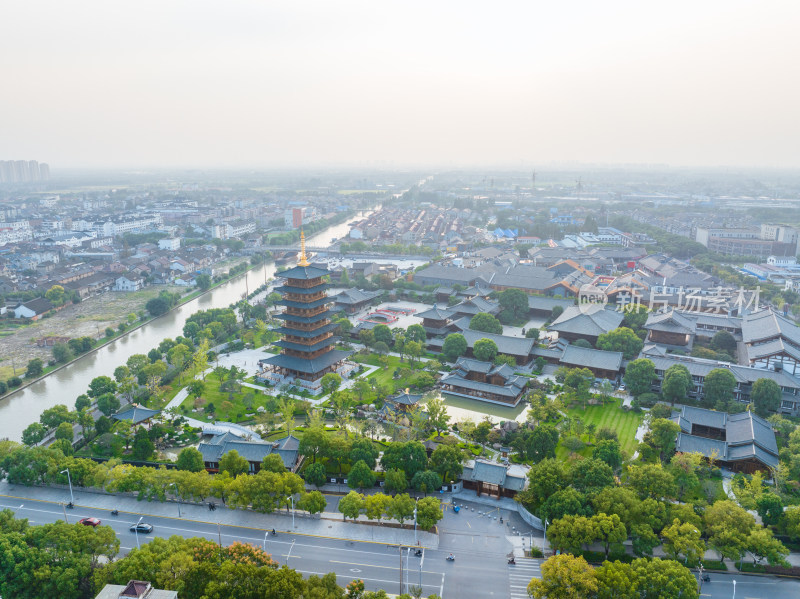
point(303, 261)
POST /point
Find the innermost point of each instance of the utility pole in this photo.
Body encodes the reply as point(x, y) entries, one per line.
point(400, 551)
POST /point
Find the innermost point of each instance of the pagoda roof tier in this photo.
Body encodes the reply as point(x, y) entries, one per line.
point(305, 319)
point(305, 273)
point(307, 334)
point(306, 305)
point(309, 348)
point(312, 366)
point(302, 290)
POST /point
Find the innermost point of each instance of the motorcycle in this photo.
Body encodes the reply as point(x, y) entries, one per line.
point(70, 506)
point(512, 561)
point(706, 578)
point(418, 553)
point(274, 534)
point(212, 506)
point(115, 512)
point(451, 558)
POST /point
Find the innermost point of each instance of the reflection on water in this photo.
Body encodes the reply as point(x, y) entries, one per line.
point(62, 387)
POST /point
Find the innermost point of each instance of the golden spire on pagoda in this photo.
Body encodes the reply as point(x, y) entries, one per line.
point(303, 259)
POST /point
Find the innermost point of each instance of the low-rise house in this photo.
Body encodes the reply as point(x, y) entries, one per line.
point(33, 309)
point(129, 282)
point(742, 442)
point(587, 321)
point(254, 451)
point(353, 300)
point(136, 414)
point(603, 364)
point(489, 478)
point(135, 589)
point(484, 381)
point(520, 348)
point(437, 321)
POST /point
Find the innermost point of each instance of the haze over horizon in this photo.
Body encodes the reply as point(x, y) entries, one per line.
point(254, 84)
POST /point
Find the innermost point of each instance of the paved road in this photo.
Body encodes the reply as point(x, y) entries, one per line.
point(479, 572)
point(750, 587)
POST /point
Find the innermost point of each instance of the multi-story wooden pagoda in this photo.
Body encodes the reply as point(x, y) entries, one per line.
point(307, 344)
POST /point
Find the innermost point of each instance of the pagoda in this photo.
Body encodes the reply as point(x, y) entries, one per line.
point(307, 351)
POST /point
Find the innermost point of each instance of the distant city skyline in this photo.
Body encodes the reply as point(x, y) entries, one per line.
point(440, 85)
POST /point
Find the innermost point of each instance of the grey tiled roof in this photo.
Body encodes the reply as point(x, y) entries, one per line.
point(514, 346)
point(135, 414)
point(766, 324)
point(592, 358)
point(436, 313)
point(305, 272)
point(547, 303)
point(252, 451)
point(487, 472)
point(671, 322)
point(354, 296)
point(587, 320)
point(512, 388)
point(308, 366)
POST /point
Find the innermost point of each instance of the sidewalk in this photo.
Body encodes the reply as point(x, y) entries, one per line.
point(330, 525)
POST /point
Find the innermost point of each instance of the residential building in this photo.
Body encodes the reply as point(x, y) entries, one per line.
point(494, 479)
point(742, 442)
point(254, 451)
point(603, 364)
point(484, 381)
point(353, 300)
point(587, 321)
point(169, 243)
point(33, 309)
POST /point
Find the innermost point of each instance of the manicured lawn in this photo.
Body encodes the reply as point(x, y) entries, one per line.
point(212, 394)
point(384, 375)
point(609, 416)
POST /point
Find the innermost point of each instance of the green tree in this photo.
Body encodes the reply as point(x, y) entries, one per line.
point(579, 380)
point(532, 333)
point(157, 306)
point(486, 323)
point(663, 579)
point(401, 508)
point(315, 474)
point(33, 433)
point(622, 340)
point(410, 457)
point(383, 333)
point(718, 386)
point(609, 531)
point(429, 512)
point(62, 353)
point(677, 383)
point(233, 463)
point(446, 461)
point(203, 282)
point(515, 302)
point(273, 463)
point(727, 526)
point(313, 443)
point(142, 445)
point(395, 481)
point(438, 419)
point(34, 368)
point(313, 502)
point(724, 341)
point(360, 476)
point(64, 431)
point(591, 475)
point(639, 376)
point(651, 480)
point(108, 403)
point(564, 577)
point(615, 580)
point(350, 505)
point(683, 540)
point(564, 502)
point(541, 443)
point(52, 417)
point(190, 459)
point(766, 397)
point(100, 385)
point(330, 382)
point(544, 479)
point(484, 349)
point(659, 440)
point(55, 295)
point(426, 481)
point(609, 452)
point(364, 450)
point(762, 545)
point(770, 508)
point(455, 345)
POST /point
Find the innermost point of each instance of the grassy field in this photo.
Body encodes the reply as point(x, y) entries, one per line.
point(384, 375)
point(609, 416)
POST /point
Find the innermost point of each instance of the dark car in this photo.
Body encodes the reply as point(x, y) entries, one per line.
point(89, 521)
point(142, 527)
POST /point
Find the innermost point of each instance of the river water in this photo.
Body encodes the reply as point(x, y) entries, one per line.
point(20, 409)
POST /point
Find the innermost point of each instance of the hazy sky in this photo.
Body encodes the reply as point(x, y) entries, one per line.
point(266, 83)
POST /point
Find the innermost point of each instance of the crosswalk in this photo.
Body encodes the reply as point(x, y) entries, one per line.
point(520, 574)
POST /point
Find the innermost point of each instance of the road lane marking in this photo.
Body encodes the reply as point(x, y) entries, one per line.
point(360, 577)
point(377, 566)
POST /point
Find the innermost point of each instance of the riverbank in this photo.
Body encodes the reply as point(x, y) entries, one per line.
point(109, 340)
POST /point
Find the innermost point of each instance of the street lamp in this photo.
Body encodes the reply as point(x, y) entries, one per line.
point(69, 479)
point(700, 580)
point(266, 532)
point(544, 537)
point(415, 521)
point(177, 499)
point(136, 528)
point(291, 498)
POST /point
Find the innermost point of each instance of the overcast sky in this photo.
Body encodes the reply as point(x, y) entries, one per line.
point(295, 83)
